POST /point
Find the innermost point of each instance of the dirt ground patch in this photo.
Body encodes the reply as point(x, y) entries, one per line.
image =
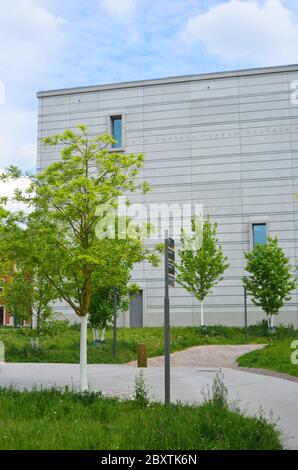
point(206, 356)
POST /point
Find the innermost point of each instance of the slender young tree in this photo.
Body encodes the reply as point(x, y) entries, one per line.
point(102, 307)
point(202, 263)
point(271, 277)
point(69, 198)
point(116, 273)
point(27, 292)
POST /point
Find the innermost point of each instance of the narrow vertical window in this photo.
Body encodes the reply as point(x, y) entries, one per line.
point(116, 122)
point(259, 234)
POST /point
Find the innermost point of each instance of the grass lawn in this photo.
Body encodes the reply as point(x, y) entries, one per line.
point(65, 347)
point(43, 420)
point(276, 356)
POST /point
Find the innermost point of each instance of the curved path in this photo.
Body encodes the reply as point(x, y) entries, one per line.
point(206, 356)
point(252, 392)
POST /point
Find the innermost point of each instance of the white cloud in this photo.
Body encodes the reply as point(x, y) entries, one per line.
point(17, 137)
point(120, 8)
point(261, 33)
point(29, 37)
point(31, 44)
point(8, 188)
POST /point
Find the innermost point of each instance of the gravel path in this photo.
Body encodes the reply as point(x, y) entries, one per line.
point(205, 356)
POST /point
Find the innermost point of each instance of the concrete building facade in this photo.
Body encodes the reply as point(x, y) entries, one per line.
point(226, 140)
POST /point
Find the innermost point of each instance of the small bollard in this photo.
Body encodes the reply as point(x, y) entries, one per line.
point(142, 355)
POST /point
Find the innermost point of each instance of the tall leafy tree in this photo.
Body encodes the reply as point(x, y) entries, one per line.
point(202, 263)
point(11, 239)
point(69, 198)
point(27, 292)
point(271, 277)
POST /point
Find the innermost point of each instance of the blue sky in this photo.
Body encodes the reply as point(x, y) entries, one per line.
point(47, 44)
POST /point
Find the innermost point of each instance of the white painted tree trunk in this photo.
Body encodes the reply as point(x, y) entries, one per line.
point(95, 332)
point(103, 335)
point(35, 342)
point(83, 354)
point(270, 321)
point(202, 313)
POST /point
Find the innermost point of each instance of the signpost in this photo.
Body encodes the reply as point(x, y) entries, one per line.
point(115, 321)
point(245, 313)
point(169, 281)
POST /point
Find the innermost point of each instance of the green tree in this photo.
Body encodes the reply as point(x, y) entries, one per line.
point(70, 198)
point(27, 292)
point(102, 306)
point(202, 263)
point(11, 246)
point(116, 272)
point(29, 297)
point(271, 277)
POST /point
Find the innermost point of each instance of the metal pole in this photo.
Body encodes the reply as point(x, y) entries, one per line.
point(245, 313)
point(167, 325)
point(115, 321)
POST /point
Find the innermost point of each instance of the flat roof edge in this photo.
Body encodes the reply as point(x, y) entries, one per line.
point(169, 80)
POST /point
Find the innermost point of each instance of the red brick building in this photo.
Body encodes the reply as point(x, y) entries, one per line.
point(4, 317)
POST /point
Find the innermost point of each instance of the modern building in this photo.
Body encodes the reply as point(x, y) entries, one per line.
point(226, 140)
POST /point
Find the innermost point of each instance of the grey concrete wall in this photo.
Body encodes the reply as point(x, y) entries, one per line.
point(227, 141)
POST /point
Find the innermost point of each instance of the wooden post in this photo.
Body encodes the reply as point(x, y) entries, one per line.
point(142, 355)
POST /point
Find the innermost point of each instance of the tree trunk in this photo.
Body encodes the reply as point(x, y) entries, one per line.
point(202, 313)
point(83, 354)
point(270, 321)
point(95, 334)
point(35, 342)
point(84, 323)
point(103, 335)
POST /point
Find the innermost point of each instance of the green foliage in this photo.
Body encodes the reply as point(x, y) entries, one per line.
point(219, 392)
point(141, 390)
point(64, 348)
point(28, 294)
point(101, 307)
point(271, 280)
point(70, 199)
point(275, 357)
point(50, 419)
point(49, 326)
point(202, 263)
point(102, 302)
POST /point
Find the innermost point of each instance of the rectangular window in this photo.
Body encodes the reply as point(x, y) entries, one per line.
point(116, 124)
point(259, 234)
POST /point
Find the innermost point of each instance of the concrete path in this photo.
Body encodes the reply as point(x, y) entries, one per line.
point(206, 356)
point(254, 391)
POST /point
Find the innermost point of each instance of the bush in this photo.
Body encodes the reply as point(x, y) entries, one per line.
point(141, 392)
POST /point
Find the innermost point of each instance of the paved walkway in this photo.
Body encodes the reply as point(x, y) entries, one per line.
point(254, 391)
point(206, 356)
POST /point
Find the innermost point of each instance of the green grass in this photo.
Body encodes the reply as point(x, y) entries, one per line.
point(276, 357)
point(55, 420)
point(65, 347)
